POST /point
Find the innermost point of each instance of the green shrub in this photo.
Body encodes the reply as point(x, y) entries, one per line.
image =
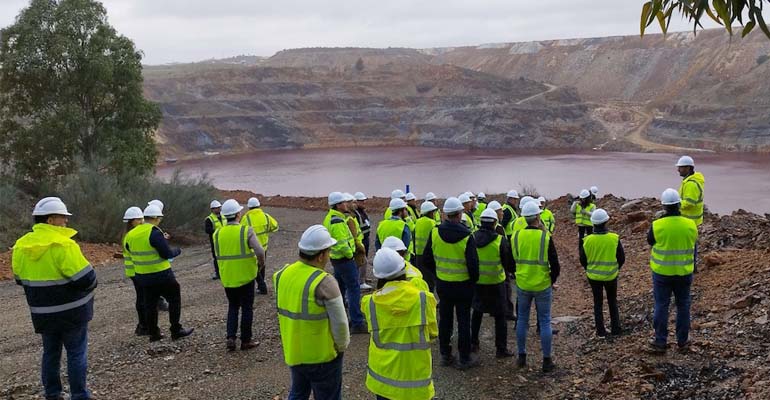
point(15, 217)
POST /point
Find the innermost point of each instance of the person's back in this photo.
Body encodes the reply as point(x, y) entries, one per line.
point(262, 223)
point(692, 193)
point(673, 252)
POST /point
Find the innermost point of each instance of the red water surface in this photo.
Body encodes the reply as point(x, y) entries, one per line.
point(733, 180)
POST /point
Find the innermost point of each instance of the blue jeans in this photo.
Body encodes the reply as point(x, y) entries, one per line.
point(346, 273)
point(75, 341)
point(543, 306)
point(324, 380)
point(662, 288)
point(240, 298)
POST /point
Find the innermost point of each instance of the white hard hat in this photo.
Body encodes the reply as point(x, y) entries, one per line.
point(50, 206)
point(470, 194)
point(525, 200)
point(360, 196)
point(513, 194)
point(388, 264)
point(489, 214)
point(215, 204)
point(133, 213)
point(669, 197)
point(494, 205)
point(397, 194)
point(452, 205)
point(410, 196)
point(584, 194)
point(482, 195)
point(315, 239)
point(348, 196)
point(231, 207)
point(541, 200)
point(396, 204)
point(685, 161)
point(599, 216)
point(530, 209)
point(464, 198)
point(430, 196)
point(153, 211)
point(393, 243)
point(594, 190)
point(253, 202)
point(427, 207)
point(156, 202)
point(336, 198)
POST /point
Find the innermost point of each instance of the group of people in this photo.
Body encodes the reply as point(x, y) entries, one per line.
point(460, 258)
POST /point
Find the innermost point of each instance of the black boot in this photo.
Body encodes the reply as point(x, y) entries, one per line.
point(141, 331)
point(521, 361)
point(548, 364)
point(182, 332)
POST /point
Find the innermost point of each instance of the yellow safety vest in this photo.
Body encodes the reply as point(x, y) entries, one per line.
point(548, 220)
point(691, 192)
point(217, 221)
point(509, 227)
point(336, 223)
point(601, 252)
point(306, 334)
point(145, 258)
point(359, 235)
point(530, 248)
point(491, 270)
point(236, 260)
point(450, 258)
point(437, 216)
point(395, 228)
point(45, 259)
point(402, 320)
point(414, 276)
point(421, 233)
point(128, 263)
point(262, 223)
point(674, 251)
point(583, 216)
point(519, 224)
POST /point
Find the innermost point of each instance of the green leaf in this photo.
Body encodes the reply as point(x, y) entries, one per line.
point(714, 17)
point(746, 29)
point(662, 21)
point(724, 14)
point(761, 21)
point(646, 10)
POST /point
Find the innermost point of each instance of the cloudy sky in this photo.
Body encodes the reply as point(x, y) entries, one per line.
point(192, 30)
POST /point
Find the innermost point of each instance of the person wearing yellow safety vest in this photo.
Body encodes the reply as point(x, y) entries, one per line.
point(537, 269)
point(430, 196)
point(495, 260)
point(691, 191)
point(59, 286)
point(413, 274)
point(481, 205)
point(500, 212)
point(263, 225)
point(133, 217)
point(345, 268)
point(520, 222)
point(162, 303)
point(509, 212)
point(602, 256)
point(240, 256)
point(395, 194)
point(402, 322)
point(411, 206)
point(395, 226)
point(594, 193)
point(451, 255)
point(582, 210)
point(468, 206)
point(359, 255)
point(510, 309)
point(151, 256)
point(672, 260)
point(366, 228)
point(549, 222)
point(312, 320)
point(422, 230)
point(213, 222)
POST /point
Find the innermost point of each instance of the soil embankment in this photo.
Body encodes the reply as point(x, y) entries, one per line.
point(730, 327)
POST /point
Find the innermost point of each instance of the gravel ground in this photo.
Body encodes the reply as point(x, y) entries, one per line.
point(123, 366)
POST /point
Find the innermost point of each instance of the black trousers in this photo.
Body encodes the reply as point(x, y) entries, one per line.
point(455, 302)
point(240, 299)
point(510, 309)
point(141, 315)
point(584, 231)
point(170, 290)
point(598, 288)
point(261, 285)
point(501, 330)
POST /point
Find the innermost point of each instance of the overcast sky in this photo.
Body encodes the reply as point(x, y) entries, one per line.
point(192, 30)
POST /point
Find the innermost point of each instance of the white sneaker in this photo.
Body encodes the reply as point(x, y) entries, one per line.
point(364, 286)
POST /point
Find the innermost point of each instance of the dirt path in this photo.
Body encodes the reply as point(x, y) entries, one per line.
point(638, 136)
point(551, 88)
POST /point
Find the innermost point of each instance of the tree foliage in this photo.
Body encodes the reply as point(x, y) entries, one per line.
point(723, 12)
point(71, 93)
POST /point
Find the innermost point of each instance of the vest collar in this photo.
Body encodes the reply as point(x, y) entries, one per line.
point(59, 230)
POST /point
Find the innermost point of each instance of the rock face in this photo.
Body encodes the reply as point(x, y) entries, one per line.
point(362, 104)
point(708, 91)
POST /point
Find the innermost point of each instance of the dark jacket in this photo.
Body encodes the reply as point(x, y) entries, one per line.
point(553, 259)
point(159, 242)
point(452, 232)
point(485, 236)
point(620, 254)
point(363, 221)
point(507, 217)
